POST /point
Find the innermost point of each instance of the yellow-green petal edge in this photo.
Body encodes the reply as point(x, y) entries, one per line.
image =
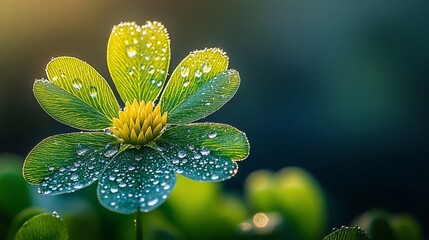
point(198, 68)
point(83, 82)
point(138, 58)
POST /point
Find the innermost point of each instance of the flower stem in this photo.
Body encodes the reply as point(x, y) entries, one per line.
point(138, 222)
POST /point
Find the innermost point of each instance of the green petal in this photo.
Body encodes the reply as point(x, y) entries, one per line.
point(68, 109)
point(83, 82)
point(138, 58)
point(199, 74)
point(68, 162)
point(347, 233)
point(43, 226)
point(136, 179)
point(204, 151)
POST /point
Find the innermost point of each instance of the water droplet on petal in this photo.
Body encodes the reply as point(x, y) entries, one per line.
point(113, 190)
point(55, 214)
point(205, 151)
point(159, 84)
point(93, 91)
point(81, 150)
point(198, 73)
point(184, 71)
point(212, 134)
point(214, 177)
point(131, 50)
point(77, 84)
point(74, 177)
point(110, 150)
point(181, 154)
point(151, 69)
point(186, 83)
point(152, 202)
point(130, 168)
point(197, 156)
point(122, 185)
point(207, 67)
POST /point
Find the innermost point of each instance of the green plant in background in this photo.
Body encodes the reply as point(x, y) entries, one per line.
point(380, 225)
point(135, 152)
point(295, 195)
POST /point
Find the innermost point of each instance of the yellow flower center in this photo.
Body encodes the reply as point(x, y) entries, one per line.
point(139, 123)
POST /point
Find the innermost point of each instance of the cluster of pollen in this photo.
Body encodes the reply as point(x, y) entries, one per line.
point(139, 123)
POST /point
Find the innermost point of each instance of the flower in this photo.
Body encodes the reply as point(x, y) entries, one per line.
point(135, 152)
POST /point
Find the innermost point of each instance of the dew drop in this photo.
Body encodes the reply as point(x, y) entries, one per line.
point(212, 134)
point(131, 50)
point(152, 202)
point(110, 150)
point(175, 161)
point(130, 72)
point(197, 156)
point(77, 186)
point(151, 69)
point(184, 71)
point(51, 168)
point(181, 154)
point(205, 151)
point(138, 158)
point(93, 91)
point(186, 83)
point(77, 84)
point(207, 67)
point(55, 78)
point(63, 75)
point(130, 168)
point(198, 73)
point(214, 177)
point(81, 150)
point(55, 214)
point(74, 177)
point(113, 190)
point(159, 84)
point(149, 44)
point(122, 185)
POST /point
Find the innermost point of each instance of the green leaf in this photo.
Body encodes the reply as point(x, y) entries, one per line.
point(21, 218)
point(41, 227)
point(207, 99)
point(347, 233)
point(204, 151)
point(138, 58)
point(68, 109)
point(195, 75)
point(68, 162)
point(136, 179)
point(83, 82)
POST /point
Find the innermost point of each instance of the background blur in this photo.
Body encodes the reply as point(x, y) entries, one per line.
point(336, 87)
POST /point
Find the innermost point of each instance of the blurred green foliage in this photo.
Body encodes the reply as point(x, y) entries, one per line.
point(381, 225)
point(288, 204)
point(293, 193)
